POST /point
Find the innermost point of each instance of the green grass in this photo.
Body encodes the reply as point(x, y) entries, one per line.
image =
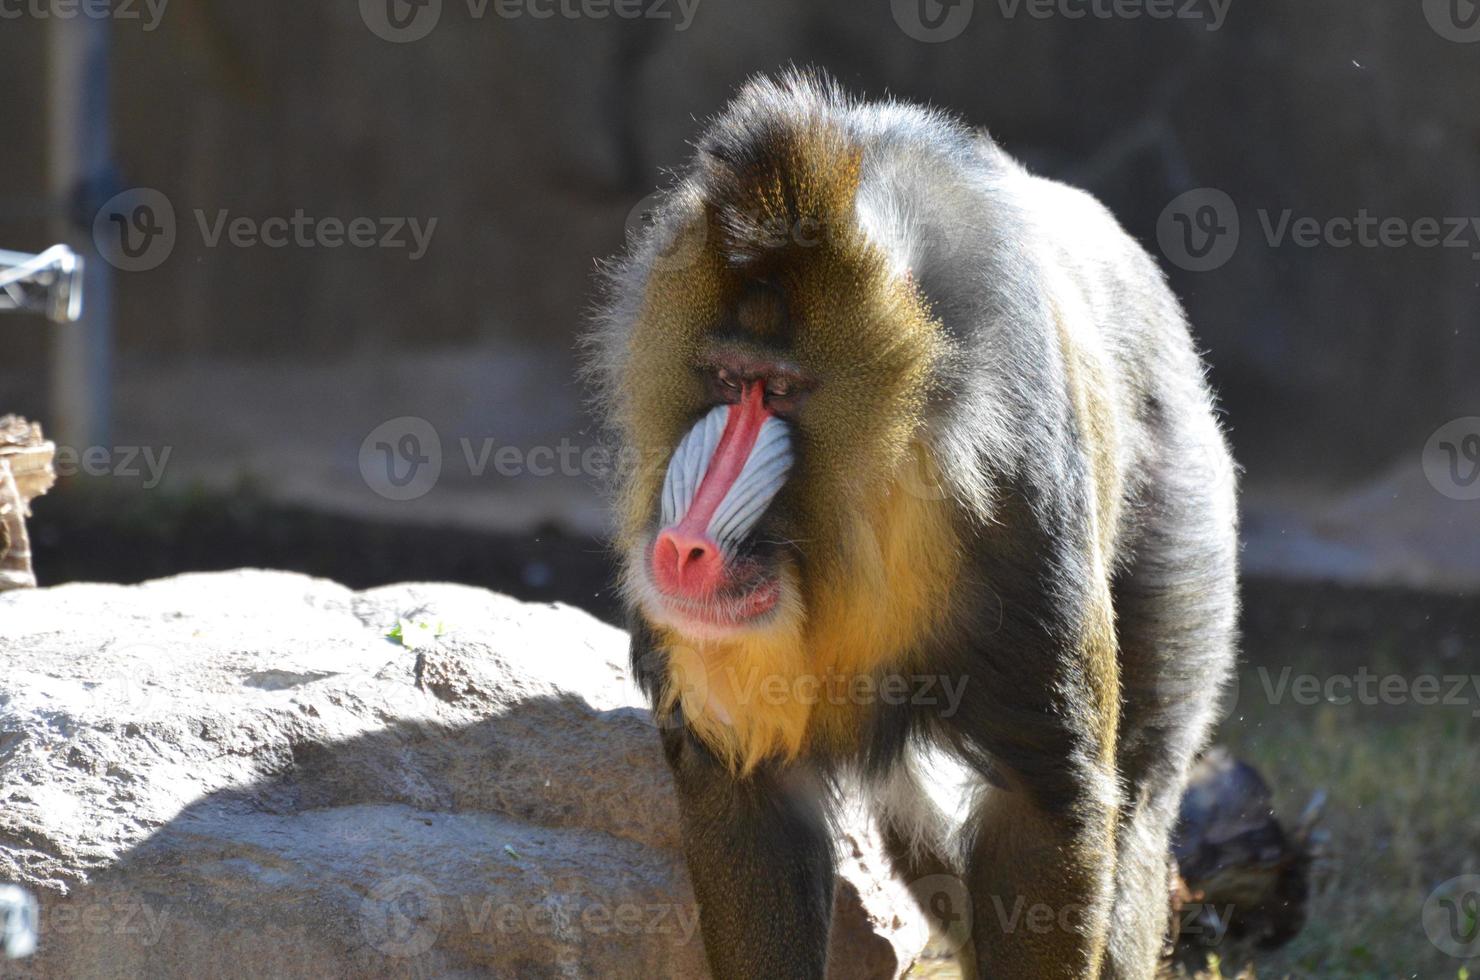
point(1403, 814)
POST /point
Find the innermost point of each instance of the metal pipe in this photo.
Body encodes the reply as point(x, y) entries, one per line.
point(78, 162)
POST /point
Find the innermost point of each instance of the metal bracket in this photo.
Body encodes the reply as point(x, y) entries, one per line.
point(49, 283)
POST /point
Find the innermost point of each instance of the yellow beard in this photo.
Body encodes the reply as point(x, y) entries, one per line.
point(801, 682)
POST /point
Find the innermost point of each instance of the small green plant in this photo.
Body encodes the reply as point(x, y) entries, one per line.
point(416, 634)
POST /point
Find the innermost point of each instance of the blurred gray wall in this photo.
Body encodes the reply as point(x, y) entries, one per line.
point(529, 140)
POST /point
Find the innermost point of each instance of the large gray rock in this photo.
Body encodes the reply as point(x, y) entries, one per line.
point(239, 774)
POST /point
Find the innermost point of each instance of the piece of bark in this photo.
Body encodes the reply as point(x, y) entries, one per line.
point(26, 472)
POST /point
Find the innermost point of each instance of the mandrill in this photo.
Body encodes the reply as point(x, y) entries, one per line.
point(931, 513)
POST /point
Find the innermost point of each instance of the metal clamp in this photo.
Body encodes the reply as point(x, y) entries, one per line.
point(49, 283)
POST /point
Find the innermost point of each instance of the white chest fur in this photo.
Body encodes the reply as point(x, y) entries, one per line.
point(927, 800)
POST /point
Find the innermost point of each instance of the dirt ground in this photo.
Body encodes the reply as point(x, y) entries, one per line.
point(1372, 695)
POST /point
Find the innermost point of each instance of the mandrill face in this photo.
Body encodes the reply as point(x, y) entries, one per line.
point(774, 361)
point(771, 362)
point(714, 566)
point(780, 397)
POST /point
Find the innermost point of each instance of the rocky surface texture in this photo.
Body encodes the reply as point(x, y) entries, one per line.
point(241, 774)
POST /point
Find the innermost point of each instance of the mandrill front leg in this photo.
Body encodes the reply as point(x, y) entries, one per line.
point(1040, 888)
point(761, 862)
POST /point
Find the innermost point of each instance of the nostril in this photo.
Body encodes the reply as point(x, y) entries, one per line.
point(686, 564)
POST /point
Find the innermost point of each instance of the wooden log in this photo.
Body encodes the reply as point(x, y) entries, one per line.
point(26, 472)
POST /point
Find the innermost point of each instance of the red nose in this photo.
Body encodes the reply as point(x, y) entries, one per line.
point(687, 564)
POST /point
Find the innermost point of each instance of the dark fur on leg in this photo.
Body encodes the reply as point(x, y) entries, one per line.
point(759, 854)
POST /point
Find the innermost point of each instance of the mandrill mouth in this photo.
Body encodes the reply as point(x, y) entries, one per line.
point(721, 479)
point(721, 614)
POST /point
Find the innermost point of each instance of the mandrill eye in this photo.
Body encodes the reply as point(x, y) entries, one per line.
point(728, 379)
point(779, 388)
